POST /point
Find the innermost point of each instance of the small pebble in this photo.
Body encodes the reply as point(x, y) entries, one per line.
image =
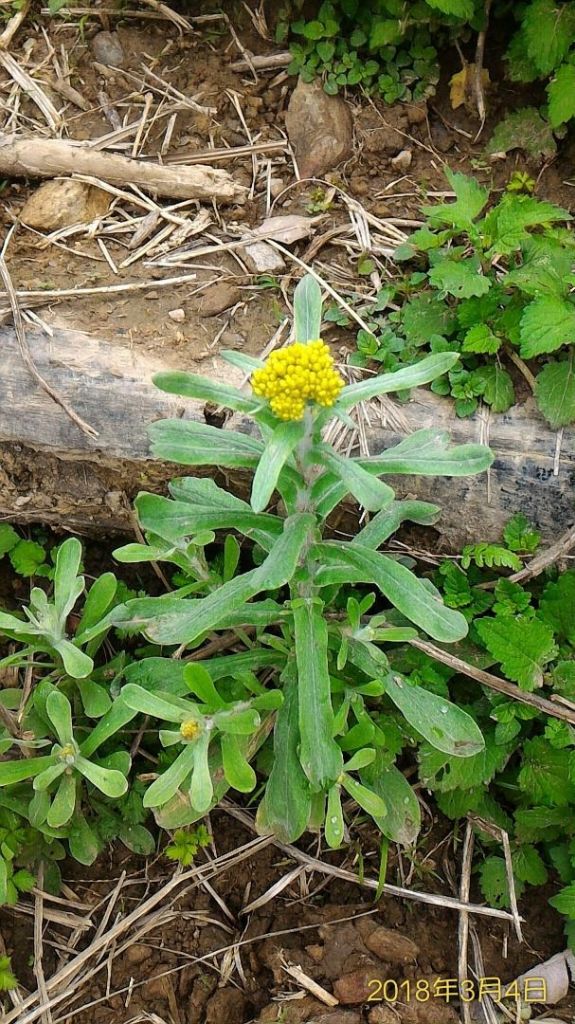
point(177, 314)
point(107, 49)
point(402, 162)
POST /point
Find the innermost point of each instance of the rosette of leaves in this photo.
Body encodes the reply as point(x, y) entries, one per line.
point(303, 598)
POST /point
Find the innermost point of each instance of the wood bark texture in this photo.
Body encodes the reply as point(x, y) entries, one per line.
point(34, 157)
point(51, 472)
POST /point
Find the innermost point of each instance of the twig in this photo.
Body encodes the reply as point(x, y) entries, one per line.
point(536, 566)
point(27, 83)
point(25, 352)
point(38, 945)
point(496, 832)
point(522, 367)
point(217, 155)
point(263, 61)
point(13, 25)
point(303, 979)
point(494, 682)
point(133, 286)
point(314, 864)
point(478, 72)
point(463, 935)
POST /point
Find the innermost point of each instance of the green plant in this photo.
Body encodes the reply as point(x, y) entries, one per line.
point(186, 843)
point(492, 285)
point(304, 596)
point(309, 696)
point(388, 47)
point(524, 779)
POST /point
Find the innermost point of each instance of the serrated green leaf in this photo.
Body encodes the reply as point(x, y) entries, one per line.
point(481, 338)
point(547, 323)
point(458, 8)
point(561, 93)
point(497, 388)
point(564, 901)
point(26, 557)
point(444, 774)
point(544, 774)
point(8, 538)
point(557, 604)
point(522, 646)
point(460, 278)
point(424, 315)
point(556, 392)
point(494, 882)
point(548, 30)
point(546, 268)
point(470, 200)
point(507, 224)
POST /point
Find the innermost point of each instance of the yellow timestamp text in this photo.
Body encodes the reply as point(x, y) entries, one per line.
point(528, 990)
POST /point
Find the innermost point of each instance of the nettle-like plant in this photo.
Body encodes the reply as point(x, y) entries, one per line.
point(492, 284)
point(311, 615)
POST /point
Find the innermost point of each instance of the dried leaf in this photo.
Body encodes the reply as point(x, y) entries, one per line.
point(462, 86)
point(288, 229)
point(557, 973)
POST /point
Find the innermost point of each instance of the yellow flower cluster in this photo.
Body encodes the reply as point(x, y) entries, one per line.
point(190, 729)
point(295, 375)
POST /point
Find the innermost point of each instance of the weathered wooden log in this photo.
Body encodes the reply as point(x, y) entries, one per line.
point(35, 157)
point(52, 472)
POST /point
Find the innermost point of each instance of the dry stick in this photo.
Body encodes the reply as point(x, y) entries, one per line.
point(27, 358)
point(522, 367)
point(477, 78)
point(548, 557)
point(133, 286)
point(38, 946)
point(493, 682)
point(66, 973)
point(463, 933)
point(31, 87)
point(314, 864)
point(47, 158)
point(496, 832)
point(262, 61)
point(217, 155)
point(13, 25)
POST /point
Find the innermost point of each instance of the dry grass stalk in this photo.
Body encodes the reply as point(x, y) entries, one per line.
point(314, 864)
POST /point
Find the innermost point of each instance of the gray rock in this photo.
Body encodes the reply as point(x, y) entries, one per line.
point(108, 50)
point(320, 129)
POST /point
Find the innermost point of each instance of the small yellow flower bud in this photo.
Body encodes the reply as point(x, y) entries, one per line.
point(190, 729)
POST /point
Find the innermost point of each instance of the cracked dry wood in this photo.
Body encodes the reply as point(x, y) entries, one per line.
point(51, 472)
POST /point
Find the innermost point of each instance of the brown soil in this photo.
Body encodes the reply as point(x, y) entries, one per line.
point(210, 963)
